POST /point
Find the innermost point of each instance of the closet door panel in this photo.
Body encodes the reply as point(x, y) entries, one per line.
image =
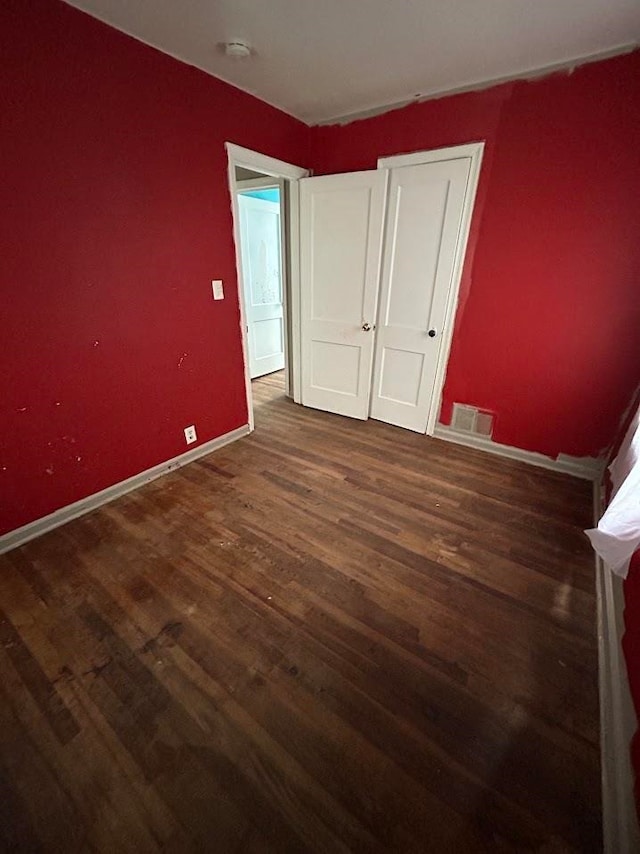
point(424, 219)
point(341, 228)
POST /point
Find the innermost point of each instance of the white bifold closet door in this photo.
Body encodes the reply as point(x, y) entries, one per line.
point(341, 225)
point(351, 363)
point(424, 217)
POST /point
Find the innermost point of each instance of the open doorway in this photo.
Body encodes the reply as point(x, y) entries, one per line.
point(260, 205)
point(264, 197)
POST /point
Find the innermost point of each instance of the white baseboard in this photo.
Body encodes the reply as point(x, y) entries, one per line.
point(618, 722)
point(587, 468)
point(65, 514)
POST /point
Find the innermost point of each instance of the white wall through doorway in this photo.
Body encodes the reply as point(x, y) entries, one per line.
point(262, 273)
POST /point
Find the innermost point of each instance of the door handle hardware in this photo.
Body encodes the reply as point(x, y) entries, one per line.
point(366, 327)
point(432, 333)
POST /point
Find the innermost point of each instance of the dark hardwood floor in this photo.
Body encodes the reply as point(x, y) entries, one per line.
point(329, 636)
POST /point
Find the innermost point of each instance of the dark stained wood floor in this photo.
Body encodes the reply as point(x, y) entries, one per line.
point(330, 636)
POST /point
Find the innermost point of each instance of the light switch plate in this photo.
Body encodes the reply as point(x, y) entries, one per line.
point(216, 286)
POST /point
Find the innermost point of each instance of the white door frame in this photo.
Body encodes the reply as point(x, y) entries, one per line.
point(238, 156)
point(474, 151)
point(256, 184)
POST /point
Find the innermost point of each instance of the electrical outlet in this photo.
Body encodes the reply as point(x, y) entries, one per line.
point(190, 434)
point(216, 287)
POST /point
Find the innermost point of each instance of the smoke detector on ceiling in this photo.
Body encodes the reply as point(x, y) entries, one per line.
point(237, 48)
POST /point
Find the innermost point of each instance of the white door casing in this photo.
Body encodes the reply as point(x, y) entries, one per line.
point(341, 226)
point(428, 216)
point(262, 273)
point(263, 163)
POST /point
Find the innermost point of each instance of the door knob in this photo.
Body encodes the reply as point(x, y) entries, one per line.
point(432, 333)
point(366, 327)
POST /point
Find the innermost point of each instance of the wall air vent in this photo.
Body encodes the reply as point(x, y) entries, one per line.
point(469, 419)
point(484, 424)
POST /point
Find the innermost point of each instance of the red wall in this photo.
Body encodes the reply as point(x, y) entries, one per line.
point(546, 332)
point(116, 215)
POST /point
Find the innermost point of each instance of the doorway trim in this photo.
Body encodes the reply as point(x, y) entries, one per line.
point(474, 152)
point(247, 184)
point(239, 156)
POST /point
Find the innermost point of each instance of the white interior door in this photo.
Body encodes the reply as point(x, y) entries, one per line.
point(424, 224)
point(261, 253)
point(341, 225)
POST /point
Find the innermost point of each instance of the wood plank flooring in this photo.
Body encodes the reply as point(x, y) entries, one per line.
point(330, 636)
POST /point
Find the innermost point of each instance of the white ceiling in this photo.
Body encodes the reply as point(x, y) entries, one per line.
point(325, 59)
